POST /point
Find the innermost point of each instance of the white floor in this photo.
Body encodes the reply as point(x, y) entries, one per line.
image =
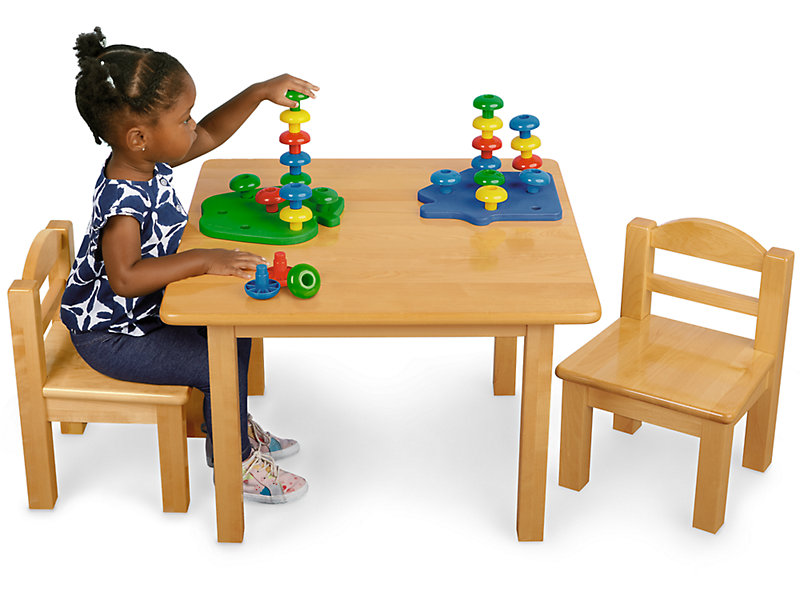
point(412, 468)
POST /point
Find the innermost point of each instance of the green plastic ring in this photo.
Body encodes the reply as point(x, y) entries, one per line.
point(303, 280)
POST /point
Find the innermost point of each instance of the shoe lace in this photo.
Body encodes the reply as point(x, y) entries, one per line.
point(262, 437)
point(259, 460)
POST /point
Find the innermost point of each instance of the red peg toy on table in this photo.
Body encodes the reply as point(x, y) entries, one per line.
point(483, 194)
point(279, 270)
point(289, 213)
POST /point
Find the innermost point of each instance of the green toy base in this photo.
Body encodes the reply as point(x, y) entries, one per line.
point(230, 217)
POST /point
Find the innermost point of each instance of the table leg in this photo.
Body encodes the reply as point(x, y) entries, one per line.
point(537, 366)
point(222, 364)
point(505, 366)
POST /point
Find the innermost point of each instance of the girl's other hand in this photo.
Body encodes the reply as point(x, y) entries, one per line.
point(275, 89)
point(231, 262)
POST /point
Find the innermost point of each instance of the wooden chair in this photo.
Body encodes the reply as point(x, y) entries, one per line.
point(55, 384)
point(680, 376)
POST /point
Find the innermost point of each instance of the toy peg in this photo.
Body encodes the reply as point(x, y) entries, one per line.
point(295, 160)
point(295, 118)
point(297, 97)
point(446, 179)
point(294, 140)
point(487, 126)
point(279, 270)
point(324, 196)
point(534, 179)
point(491, 196)
point(262, 287)
point(295, 193)
point(270, 198)
point(486, 146)
point(487, 104)
point(296, 217)
point(521, 163)
point(246, 185)
point(524, 124)
point(526, 145)
point(327, 206)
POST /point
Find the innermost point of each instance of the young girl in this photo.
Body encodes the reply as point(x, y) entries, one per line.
point(139, 102)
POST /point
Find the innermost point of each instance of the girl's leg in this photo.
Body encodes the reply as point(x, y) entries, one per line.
point(168, 355)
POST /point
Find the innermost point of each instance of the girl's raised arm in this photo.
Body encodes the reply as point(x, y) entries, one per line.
point(220, 124)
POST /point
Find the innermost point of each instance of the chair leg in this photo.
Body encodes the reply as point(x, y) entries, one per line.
point(626, 425)
point(759, 436)
point(37, 449)
point(173, 458)
point(73, 428)
point(255, 370)
point(576, 437)
point(713, 469)
point(194, 415)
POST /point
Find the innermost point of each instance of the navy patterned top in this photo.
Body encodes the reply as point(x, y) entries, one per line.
point(89, 303)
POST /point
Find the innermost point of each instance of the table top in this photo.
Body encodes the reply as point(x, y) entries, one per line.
point(385, 265)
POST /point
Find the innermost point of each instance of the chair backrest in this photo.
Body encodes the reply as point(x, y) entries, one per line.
point(49, 259)
point(718, 242)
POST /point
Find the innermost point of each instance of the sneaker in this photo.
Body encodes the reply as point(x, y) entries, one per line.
point(261, 440)
point(265, 442)
point(264, 481)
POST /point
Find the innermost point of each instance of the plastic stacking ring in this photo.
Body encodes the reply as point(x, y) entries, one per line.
point(303, 280)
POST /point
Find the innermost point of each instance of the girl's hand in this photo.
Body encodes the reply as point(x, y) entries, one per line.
point(219, 261)
point(275, 89)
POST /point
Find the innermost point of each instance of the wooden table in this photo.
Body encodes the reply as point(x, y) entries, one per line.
point(387, 272)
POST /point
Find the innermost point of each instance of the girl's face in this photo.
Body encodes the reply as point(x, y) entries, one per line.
point(174, 133)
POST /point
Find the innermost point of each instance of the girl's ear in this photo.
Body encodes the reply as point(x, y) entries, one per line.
point(136, 139)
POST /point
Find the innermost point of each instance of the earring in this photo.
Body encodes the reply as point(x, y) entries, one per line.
point(143, 148)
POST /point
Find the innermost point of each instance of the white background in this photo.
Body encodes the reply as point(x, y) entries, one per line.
point(655, 109)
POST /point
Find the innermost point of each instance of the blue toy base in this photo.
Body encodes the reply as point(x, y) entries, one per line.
point(461, 203)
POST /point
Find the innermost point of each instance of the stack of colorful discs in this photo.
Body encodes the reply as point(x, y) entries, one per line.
point(295, 137)
point(487, 123)
point(525, 143)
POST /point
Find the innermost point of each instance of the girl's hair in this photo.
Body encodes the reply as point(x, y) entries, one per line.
point(122, 77)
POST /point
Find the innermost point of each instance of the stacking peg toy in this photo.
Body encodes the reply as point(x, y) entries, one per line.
point(288, 212)
point(484, 194)
point(295, 137)
point(487, 123)
point(525, 143)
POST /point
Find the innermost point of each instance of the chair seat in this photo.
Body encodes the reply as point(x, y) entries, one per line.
point(676, 365)
point(69, 377)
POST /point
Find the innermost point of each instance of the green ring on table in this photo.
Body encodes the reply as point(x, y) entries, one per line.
point(303, 280)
